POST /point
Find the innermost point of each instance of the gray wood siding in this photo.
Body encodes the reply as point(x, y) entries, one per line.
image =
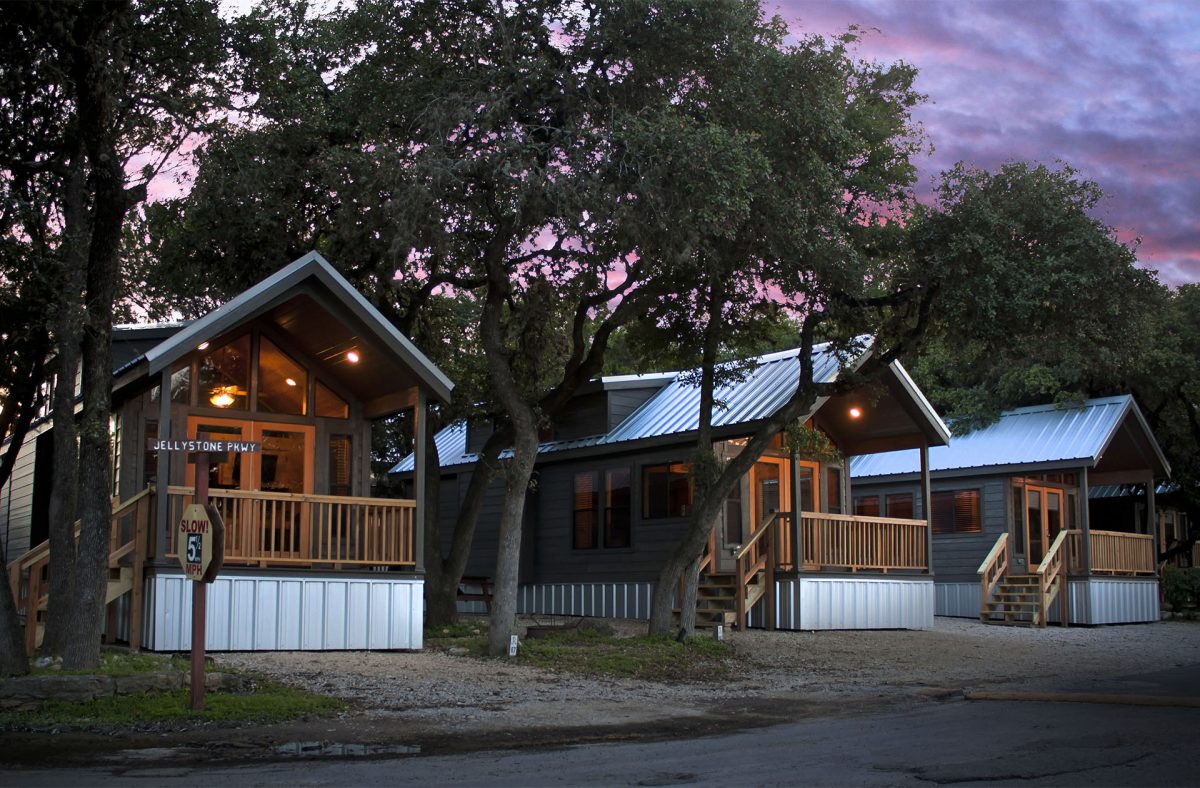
point(956, 557)
point(585, 416)
point(623, 402)
point(16, 504)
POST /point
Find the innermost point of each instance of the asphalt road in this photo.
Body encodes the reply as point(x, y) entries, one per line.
point(991, 742)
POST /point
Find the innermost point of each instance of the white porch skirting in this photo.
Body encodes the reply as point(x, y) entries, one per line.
point(811, 603)
point(273, 613)
point(596, 600)
point(1094, 601)
point(807, 603)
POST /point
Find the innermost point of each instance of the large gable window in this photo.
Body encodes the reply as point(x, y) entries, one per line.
point(223, 376)
point(282, 383)
point(328, 404)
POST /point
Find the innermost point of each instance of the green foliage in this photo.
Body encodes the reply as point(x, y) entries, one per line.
point(121, 663)
point(1181, 587)
point(810, 443)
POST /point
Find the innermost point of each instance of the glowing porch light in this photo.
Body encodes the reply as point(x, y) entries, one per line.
point(290, 382)
point(352, 356)
point(856, 412)
point(202, 346)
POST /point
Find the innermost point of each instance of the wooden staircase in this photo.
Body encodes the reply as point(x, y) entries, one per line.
point(1023, 600)
point(29, 575)
point(717, 599)
point(724, 598)
point(1017, 601)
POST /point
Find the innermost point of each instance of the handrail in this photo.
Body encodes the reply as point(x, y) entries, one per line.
point(34, 564)
point(1051, 579)
point(750, 560)
point(991, 572)
point(856, 543)
point(857, 518)
point(267, 495)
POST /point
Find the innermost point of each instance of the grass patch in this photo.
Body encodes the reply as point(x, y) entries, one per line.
point(118, 663)
point(269, 702)
point(471, 635)
point(590, 653)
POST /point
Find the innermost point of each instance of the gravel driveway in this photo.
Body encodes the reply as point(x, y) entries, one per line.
point(800, 672)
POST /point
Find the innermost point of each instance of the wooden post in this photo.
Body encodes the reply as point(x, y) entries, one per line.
point(927, 507)
point(141, 527)
point(199, 593)
point(795, 525)
point(1152, 520)
point(769, 578)
point(421, 472)
point(162, 502)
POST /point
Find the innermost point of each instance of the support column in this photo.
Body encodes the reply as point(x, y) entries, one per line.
point(1152, 516)
point(420, 471)
point(1085, 522)
point(797, 555)
point(163, 473)
point(927, 506)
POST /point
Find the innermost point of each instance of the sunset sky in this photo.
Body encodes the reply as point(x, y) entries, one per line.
point(1113, 88)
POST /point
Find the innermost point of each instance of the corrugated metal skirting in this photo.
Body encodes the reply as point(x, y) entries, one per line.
point(959, 600)
point(810, 603)
point(1122, 600)
point(600, 600)
point(314, 613)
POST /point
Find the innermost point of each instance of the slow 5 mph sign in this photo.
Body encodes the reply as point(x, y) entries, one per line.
point(200, 537)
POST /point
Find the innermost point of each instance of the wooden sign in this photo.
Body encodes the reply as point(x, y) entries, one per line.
point(193, 445)
point(201, 542)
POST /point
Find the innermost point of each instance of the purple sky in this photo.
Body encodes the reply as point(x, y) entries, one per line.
point(1113, 88)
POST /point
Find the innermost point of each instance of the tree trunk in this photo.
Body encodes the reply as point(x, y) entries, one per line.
point(441, 591)
point(67, 327)
point(502, 621)
point(12, 646)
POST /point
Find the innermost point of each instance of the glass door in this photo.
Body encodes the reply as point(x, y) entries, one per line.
point(283, 471)
point(1043, 519)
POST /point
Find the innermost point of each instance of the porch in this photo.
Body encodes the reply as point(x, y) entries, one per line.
point(330, 537)
point(851, 552)
point(1075, 561)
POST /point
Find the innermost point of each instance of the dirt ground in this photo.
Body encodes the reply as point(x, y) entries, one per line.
point(435, 702)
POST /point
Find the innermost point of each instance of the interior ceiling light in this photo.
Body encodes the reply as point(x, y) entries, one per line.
point(352, 356)
point(223, 396)
point(290, 382)
point(202, 346)
point(855, 412)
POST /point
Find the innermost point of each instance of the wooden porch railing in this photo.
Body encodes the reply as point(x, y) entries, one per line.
point(1113, 553)
point(267, 528)
point(880, 544)
point(756, 563)
point(29, 574)
point(991, 572)
point(1052, 581)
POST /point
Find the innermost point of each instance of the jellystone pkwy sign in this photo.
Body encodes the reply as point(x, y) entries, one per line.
point(197, 445)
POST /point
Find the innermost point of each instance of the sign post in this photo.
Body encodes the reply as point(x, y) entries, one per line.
point(200, 538)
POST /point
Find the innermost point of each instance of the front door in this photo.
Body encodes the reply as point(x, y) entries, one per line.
point(1043, 521)
point(767, 488)
point(262, 520)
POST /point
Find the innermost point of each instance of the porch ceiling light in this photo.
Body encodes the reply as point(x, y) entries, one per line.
point(202, 345)
point(352, 356)
point(289, 381)
point(856, 412)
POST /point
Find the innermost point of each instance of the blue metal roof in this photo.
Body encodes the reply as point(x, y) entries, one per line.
point(676, 408)
point(1025, 436)
point(1130, 490)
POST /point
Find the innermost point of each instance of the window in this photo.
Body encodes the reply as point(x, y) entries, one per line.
point(282, 383)
point(181, 384)
point(900, 506)
point(341, 476)
point(733, 515)
point(866, 505)
point(617, 514)
point(1018, 517)
point(224, 376)
point(805, 474)
point(956, 512)
point(833, 490)
point(666, 491)
point(328, 404)
point(587, 503)
point(114, 428)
